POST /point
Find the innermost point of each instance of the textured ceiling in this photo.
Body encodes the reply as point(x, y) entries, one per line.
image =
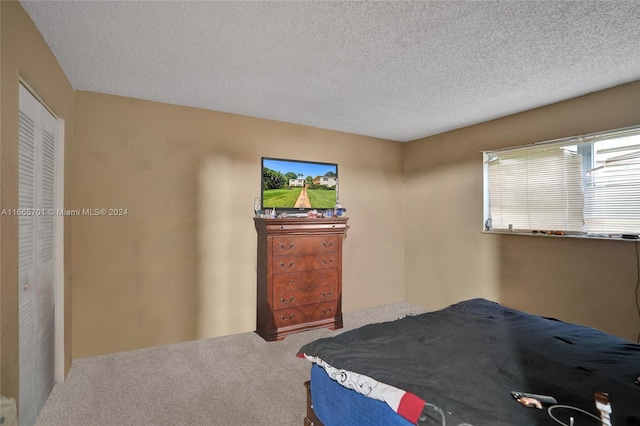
point(395, 70)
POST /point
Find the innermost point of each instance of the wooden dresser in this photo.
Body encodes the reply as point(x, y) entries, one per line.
point(299, 275)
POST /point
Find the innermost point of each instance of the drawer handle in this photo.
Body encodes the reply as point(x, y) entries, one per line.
point(286, 248)
point(327, 245)
point(324, 311)
point(327, 295)
point(327, 262)
point(287, 301)
point(282, 317)
point(290, 265)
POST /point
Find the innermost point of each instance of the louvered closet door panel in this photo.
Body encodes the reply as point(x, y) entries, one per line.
point(26, 189)
point(45, 352)
point(27, 139)
point(46, 194)
point(28, 404)
point(45, 247)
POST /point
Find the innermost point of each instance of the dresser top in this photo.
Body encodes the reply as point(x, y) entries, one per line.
point(298, 224)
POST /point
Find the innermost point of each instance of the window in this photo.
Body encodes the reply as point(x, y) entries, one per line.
point(587, 185)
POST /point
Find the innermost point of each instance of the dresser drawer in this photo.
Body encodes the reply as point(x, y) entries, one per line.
point(292, 298)
point(285, 246)
point(298, 280)
point(287, 264)
point(304, 314)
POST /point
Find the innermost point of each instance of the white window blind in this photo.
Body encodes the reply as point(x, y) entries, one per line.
point(586, 185)
point(612, 186)
point(537, 187)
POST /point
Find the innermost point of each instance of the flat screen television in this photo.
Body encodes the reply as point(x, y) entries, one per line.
point(298, 186)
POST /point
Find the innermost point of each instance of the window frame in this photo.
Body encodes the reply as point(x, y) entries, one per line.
point(585, 144)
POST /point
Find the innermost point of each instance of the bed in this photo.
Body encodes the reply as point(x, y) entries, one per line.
point(460, 365)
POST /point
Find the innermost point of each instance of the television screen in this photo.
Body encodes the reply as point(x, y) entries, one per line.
point(298, 185)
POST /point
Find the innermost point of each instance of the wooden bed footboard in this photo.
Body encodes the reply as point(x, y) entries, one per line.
point(310, 419)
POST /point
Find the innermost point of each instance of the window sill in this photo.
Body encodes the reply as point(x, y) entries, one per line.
point(613, 237)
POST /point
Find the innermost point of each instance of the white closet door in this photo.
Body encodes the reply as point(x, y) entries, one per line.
point(45, 258)
point(26, 258)
point(36, 182)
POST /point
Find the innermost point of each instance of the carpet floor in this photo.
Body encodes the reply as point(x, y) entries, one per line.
point(232, 380)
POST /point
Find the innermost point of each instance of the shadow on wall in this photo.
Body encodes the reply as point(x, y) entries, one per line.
point(226, 248)
point(448, 258)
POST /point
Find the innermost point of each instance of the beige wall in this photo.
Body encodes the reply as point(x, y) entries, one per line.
point(25, 54)
point(182, 264)
point(447, 257)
